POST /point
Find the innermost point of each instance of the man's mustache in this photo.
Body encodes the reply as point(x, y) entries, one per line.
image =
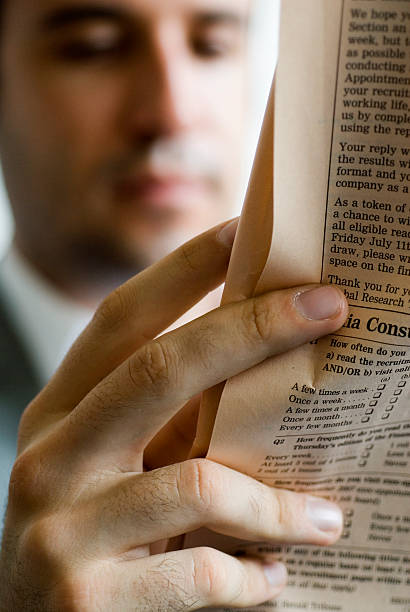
point(170, 157)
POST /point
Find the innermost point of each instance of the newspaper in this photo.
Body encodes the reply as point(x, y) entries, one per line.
point(332, 417)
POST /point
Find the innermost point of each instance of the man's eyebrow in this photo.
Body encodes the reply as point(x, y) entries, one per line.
point(220, 17)
point(74, 14)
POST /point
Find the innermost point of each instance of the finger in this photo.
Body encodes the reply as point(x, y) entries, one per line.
point(132, 404)
point(194, 579)
point(135, 313)
point(181, 498)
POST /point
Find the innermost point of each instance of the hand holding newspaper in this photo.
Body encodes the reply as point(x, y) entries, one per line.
point(333, 206)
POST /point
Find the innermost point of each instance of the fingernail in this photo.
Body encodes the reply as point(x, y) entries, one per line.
point(276, 574)
point(324, 515)
point(319, 304)
point(227, 234)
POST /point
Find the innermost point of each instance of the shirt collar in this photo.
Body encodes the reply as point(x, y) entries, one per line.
point(47, 321)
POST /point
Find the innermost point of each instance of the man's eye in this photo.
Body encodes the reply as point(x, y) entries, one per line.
point(209, 48)
point(83, 50)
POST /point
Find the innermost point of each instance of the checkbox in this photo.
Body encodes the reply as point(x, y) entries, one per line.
point(381, 387)
point(348, 523)
point(402, 384)
point(365, 419)
point(365, 455)
point(398, 392)
point(362, 463)
point(369, 447)
point(369, 410)
point(346, 535)
point(349, 512)
point(377, 395)
point(389, 408)
point(373, 403)
point(393, 400)
point(386, 416)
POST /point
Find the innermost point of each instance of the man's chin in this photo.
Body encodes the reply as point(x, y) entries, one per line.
point(148, 249)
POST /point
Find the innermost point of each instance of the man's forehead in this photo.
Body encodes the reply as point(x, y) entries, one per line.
point(147, 7)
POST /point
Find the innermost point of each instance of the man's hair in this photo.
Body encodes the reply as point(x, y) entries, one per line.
point(2, 5)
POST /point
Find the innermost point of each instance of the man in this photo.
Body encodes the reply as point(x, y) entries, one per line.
point(120, 135)
point(120, 138)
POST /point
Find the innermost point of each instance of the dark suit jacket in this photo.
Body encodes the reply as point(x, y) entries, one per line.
point(18, 385)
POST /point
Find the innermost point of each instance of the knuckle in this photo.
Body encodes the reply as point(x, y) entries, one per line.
point(210, 575)
point(154, 366)
point(201, 479)
point(268, 508)
point(260, 319)
point(112, 312)
point(258, 506)
point(49, 553)
point(41, 545)
point(29, 481)
point(209, 344)
point(189, 256)
point(283, 512)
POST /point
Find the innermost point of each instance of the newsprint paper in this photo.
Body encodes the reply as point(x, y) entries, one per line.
point(332, 417)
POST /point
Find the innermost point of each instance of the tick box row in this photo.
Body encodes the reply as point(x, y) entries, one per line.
point(384, 416)
point(400, 385)
point(392, 400)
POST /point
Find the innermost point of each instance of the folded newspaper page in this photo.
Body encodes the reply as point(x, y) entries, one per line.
point(332, 417)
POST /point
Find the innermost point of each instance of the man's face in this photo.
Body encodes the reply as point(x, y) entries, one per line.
point(121, 122)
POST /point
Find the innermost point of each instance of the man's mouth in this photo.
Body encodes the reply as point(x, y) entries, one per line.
point(156, 192)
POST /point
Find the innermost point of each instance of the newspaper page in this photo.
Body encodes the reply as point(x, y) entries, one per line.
point(332, 417)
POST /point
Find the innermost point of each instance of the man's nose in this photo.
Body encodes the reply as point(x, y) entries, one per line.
point(164, 100)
